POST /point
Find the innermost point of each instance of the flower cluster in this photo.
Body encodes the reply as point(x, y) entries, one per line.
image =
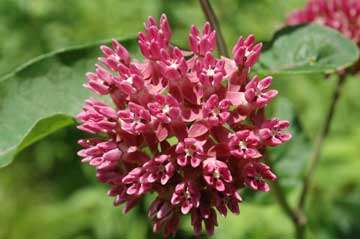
point(342, 15)
point(188, 127)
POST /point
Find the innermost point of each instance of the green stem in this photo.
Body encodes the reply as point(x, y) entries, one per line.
point(297, 217)
point(319, 142)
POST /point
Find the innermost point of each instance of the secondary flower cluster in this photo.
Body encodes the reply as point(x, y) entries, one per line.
point(186, 126)
point(343, 15)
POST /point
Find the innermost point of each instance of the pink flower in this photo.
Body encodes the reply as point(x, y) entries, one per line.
point(187, 129)
point(173, 64)
point(134, 120)
point(201, 44)
point(211, 71)
point(160, 169)
point(129, 80)
point(273, 132)
point(255, 174)
point(187, 195)
point(216, 174)
point(246, 52)
point(214, 112)
point(257, 93)
point(165, 108)
point(243, 144)
point(190, 151)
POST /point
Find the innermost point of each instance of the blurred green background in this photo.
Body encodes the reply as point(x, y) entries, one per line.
point(47, 193)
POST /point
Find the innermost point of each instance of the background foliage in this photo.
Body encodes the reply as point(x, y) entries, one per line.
point(47, 193)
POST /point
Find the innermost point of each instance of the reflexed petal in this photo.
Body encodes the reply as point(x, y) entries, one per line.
point(197, 130)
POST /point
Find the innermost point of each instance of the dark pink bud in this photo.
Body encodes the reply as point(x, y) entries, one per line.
point(187, 196)
point(201, 44)
point(97, 118)
point(165, 27)
point(246, 52)
point(154, 38)
point(100, 81)
point(136, 186)
point(163, 216)
point(228, 199)
point(130, 79)
point(115, 55)
point(100, 154)
point(121, 52)
point(255, 174)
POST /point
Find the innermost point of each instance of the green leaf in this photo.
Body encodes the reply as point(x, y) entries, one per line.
point(307, 49)
point(43, 95)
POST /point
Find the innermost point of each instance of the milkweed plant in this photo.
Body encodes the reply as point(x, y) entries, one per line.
point(189, 127)
point(185, 133)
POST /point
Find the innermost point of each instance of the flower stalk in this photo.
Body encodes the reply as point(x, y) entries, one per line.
point(297, 214)
point(319, 142)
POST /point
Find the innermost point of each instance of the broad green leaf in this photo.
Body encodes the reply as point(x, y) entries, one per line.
point(43, 95)
point(307, 49)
